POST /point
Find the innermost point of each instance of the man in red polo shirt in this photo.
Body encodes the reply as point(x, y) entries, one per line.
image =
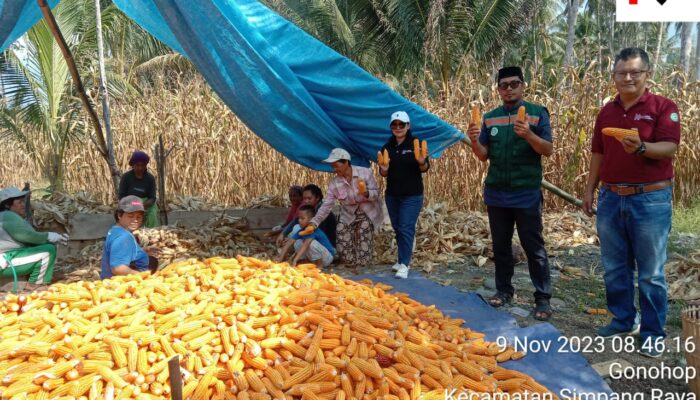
point(634, 203)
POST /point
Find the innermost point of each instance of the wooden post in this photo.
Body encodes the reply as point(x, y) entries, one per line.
point(161, 157)
point(175, 378)
point(103, 83)
point(27, 202)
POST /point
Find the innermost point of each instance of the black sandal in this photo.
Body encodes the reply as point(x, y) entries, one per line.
point(500, 299)
point(543, 310)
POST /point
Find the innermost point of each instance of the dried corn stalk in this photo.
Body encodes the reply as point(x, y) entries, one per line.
point(445, 236)
point(59, 207)
point(683, 275)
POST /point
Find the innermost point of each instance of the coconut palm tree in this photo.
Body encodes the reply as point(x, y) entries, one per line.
point(572, 13)
point(398, 37)
point(686, 46)
point(39, 111)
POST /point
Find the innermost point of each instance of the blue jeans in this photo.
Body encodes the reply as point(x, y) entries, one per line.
point(633, 232)
point(403, 213)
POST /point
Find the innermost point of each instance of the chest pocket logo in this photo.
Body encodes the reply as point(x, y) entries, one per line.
point(494, 131)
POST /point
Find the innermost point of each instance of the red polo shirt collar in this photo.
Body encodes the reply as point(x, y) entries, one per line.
point(642, 99)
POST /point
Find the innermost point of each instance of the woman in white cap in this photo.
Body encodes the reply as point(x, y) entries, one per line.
point(360, 213)
point(23, 250)
point(122, 254)
point(403, 171)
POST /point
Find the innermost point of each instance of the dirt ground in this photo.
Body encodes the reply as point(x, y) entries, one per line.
point(578, 285)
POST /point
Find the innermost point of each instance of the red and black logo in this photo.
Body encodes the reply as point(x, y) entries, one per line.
point(659, 1)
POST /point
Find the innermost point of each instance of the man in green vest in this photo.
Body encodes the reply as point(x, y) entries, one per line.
point(512, 191)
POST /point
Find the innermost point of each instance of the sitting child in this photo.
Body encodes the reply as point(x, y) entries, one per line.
point(295, 201)
point(309, 244)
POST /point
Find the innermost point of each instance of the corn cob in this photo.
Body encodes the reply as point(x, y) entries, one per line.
point(274, 329)
point(380, 159)
point(361, 186)
point(301, 376)
point(308, 230)
point(476, 116)
point(416, 148)
point(620, 133)
point(254, 381)
point(111, 376)
point(522, 114)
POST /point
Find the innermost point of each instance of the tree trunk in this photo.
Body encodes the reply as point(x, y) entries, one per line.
point(686, 46)
point(445, 73)
point(2, 80)
point(600, 41)
point(657, 53)
point(80, 90)
point(697, 51)
point(103, 91)
point(571, 36)
point(612, 37)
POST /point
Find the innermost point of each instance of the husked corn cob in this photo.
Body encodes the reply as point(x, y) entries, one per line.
point(476, 116)
point(361, 186)
point(416, 148)
point(243, 328)
point(620, 133)
point(522, 114)
point(383, 158)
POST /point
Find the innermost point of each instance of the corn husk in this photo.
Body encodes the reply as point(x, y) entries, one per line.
point(447, 236)
point(683, 276)
point(226, 236)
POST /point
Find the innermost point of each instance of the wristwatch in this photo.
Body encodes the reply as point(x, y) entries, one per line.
point(641, 149)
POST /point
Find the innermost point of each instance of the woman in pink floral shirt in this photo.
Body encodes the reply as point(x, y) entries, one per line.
point(360, 212)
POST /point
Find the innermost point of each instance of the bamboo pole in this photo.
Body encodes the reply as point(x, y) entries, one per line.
point(549, 186)
point(80, 90)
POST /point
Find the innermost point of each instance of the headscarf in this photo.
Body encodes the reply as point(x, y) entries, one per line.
point(139, 156)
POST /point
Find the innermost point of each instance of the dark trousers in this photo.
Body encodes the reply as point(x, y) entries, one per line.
point(529, 224)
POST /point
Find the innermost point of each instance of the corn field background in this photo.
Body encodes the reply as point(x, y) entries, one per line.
point(217, 158)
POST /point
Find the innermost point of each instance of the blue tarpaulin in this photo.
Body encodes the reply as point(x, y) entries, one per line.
point(297, 94)
point(16, 17)
point(573, 374)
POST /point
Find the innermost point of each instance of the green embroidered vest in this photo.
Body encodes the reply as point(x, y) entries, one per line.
point(513, 164)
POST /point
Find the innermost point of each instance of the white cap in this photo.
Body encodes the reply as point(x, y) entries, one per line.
point(401, 116)
point(11, 193)
point(337, 154)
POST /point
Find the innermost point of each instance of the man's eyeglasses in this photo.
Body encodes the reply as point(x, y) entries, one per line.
point(633, 74)
point(512, 84)
point(399, 125)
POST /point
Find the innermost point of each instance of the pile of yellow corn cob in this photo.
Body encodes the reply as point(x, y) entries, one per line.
point(244, 329)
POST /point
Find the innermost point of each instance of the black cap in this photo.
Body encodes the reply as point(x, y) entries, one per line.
point(507, 72)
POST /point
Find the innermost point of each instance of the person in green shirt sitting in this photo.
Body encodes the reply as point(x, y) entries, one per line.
point(23, 250)
point(141, 183)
